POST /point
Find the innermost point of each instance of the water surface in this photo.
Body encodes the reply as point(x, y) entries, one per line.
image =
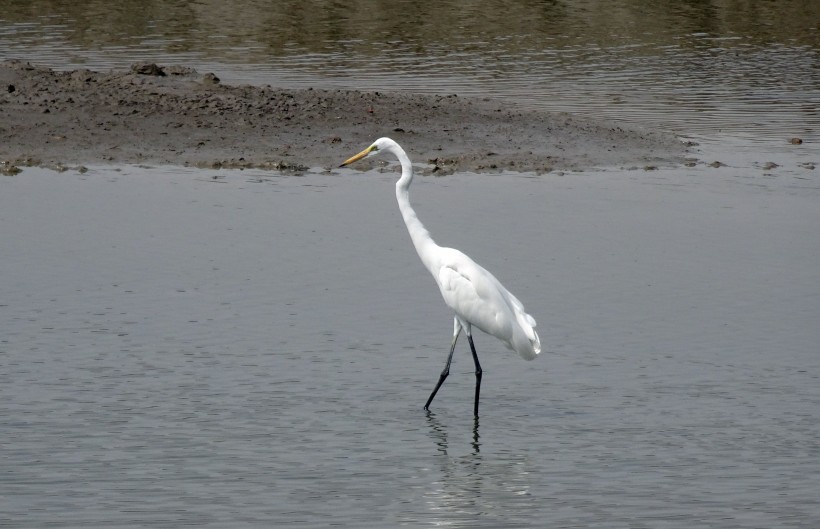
point(241, 349)
point(184, 347)
point(709, 70)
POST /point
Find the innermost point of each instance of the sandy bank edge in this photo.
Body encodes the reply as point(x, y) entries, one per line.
point(174, 115)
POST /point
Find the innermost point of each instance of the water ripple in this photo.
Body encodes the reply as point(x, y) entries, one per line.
point(700, 71)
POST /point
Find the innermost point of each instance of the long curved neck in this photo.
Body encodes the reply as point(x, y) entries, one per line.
point(418, 233)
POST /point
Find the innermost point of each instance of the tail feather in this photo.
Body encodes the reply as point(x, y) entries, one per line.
point(532, 348)
point(536, 343)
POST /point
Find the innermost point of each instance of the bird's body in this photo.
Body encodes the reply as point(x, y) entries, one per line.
point(480, 300)
point(476, 297)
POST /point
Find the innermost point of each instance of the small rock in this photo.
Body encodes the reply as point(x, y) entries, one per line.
point(148, 69)
point(8, 169)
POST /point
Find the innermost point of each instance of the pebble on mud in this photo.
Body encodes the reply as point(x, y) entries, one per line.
point(7, 169)
point(210, 78)
point(148, 69)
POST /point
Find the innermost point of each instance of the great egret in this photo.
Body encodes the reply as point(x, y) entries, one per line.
point(475, 295)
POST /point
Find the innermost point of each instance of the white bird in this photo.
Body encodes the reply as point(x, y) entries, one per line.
point(476, 297)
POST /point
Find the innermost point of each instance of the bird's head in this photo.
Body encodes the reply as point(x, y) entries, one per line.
point(378, 146)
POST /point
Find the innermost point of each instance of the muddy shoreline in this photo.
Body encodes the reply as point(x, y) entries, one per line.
point(177, 116)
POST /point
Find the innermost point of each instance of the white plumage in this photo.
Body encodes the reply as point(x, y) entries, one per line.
point(476, 297)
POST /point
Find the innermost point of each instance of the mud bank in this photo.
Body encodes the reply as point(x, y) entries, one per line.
point(174, 115)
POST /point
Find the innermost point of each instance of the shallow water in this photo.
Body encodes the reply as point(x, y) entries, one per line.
point(215, 348)
point(706, 70)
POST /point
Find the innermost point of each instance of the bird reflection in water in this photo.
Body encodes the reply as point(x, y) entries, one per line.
point(439, 432)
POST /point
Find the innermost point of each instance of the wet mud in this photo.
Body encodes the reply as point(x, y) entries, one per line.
point(154, 114)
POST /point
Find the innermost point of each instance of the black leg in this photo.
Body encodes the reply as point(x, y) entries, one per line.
point(446, 371)
point(478, 373)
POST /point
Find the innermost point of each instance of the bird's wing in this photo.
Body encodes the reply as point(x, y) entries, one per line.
point(480, 299)
point(474, 294)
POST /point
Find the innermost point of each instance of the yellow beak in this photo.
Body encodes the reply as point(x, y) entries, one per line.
point(358, 156)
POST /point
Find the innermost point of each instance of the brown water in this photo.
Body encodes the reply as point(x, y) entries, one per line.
point(711, 70)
